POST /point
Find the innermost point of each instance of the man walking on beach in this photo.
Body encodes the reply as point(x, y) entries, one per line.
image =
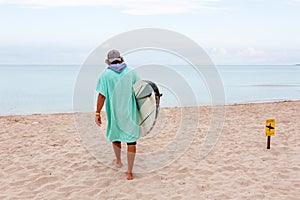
point(115, 89)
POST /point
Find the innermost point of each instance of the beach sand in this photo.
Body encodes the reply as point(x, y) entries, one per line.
point(43, 157)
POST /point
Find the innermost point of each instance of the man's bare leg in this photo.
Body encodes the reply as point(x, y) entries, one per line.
point(117, 149)
point(131, 150)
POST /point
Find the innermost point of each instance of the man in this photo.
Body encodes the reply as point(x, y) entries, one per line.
point(115, 89)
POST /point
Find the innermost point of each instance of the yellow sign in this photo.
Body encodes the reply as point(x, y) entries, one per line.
point(270, 127)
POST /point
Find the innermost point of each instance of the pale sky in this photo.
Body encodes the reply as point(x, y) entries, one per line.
point(230, 31)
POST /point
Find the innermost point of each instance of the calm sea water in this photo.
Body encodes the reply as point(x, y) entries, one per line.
point(49, 89)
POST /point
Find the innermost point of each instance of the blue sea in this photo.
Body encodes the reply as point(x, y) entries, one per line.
point(38, 89)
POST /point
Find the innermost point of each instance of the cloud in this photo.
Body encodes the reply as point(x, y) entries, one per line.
point(250, 51)
point(252, 55)
point(219, 51)
point(132, 7)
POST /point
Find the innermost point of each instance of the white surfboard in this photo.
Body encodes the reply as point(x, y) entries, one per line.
point(148, 98)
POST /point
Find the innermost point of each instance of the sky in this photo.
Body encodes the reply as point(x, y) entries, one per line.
point(232, 32)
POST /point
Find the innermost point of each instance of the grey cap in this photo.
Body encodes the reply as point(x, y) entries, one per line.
point(113, 55)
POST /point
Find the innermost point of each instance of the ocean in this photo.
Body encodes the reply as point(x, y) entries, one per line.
point(39, 89)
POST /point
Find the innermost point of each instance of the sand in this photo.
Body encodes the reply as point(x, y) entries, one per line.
point(44, 157)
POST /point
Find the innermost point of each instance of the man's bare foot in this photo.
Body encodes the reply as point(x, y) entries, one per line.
point(118, 164)
point(129, 176)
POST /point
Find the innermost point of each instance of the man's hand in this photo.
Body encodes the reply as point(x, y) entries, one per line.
point(100, 102)
point(98, 120)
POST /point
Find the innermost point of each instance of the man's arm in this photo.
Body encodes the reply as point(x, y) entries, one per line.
point(100, 103)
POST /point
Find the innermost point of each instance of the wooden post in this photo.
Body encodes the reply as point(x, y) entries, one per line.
point(269, 142)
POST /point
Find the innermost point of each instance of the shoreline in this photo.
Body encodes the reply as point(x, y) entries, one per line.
point(199, 106)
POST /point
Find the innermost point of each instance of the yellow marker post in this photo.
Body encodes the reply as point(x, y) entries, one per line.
point(270, 130)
